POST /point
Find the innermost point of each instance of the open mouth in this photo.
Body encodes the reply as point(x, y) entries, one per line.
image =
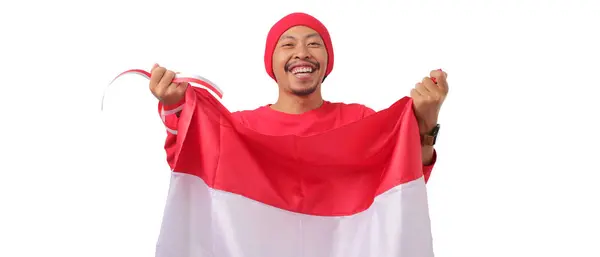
point(302, 71)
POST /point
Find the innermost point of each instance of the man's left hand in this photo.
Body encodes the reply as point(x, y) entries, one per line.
point(428, 96)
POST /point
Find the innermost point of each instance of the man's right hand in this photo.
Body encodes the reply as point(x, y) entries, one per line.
point(162, 87)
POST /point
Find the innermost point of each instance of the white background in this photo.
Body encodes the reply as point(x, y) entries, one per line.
point(517, 164)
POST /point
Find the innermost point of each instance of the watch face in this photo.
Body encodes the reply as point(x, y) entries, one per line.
point(435, 130)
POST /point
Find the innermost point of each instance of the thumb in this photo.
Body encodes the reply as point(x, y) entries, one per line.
point(154, 67)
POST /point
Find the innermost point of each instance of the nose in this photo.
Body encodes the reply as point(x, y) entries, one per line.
point(302, 52)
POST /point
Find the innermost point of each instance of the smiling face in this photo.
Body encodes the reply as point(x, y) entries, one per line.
point(300, 61)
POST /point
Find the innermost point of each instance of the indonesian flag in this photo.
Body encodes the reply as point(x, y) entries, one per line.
point(354, 191)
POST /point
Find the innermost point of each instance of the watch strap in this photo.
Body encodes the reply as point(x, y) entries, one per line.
point(430, 138)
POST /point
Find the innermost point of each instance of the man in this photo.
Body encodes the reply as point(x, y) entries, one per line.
point(329, 191)
point(299, 56)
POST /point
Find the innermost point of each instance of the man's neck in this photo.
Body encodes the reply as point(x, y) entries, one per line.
point(293, 104)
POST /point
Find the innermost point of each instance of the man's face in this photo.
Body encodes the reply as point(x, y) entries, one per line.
point(300, 60)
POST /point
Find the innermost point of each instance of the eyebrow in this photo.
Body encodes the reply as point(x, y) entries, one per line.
point(292, 37)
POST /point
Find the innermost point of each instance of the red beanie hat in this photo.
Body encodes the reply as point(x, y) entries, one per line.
point(292, 20)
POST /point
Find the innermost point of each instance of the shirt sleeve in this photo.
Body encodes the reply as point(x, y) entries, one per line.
point(168, 115)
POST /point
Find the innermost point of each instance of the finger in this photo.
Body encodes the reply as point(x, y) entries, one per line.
point(443, 84)
point(432, 89)
point(424, 84)
point(167, 79)
point(170, 89)
point(421, 89)
point(440, 77)
point(414, 93)
point(175, 90)
point(165, 82)
point(156, 76)
point(435, 75)
point(179, 89)
point(154, 67)
point(433, 78)
point(427, 80)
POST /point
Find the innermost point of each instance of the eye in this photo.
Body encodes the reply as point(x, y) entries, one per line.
point(314, 44)
point(287, 45)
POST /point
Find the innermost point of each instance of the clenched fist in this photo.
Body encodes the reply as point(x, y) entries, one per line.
point(162, 87)
point(428, 96)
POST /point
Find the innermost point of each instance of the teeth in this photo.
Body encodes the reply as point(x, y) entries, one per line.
point(302, 70)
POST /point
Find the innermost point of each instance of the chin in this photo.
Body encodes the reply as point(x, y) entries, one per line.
point(303, 90)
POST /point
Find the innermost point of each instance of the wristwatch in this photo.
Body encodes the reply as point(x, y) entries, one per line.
point(430, 138)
